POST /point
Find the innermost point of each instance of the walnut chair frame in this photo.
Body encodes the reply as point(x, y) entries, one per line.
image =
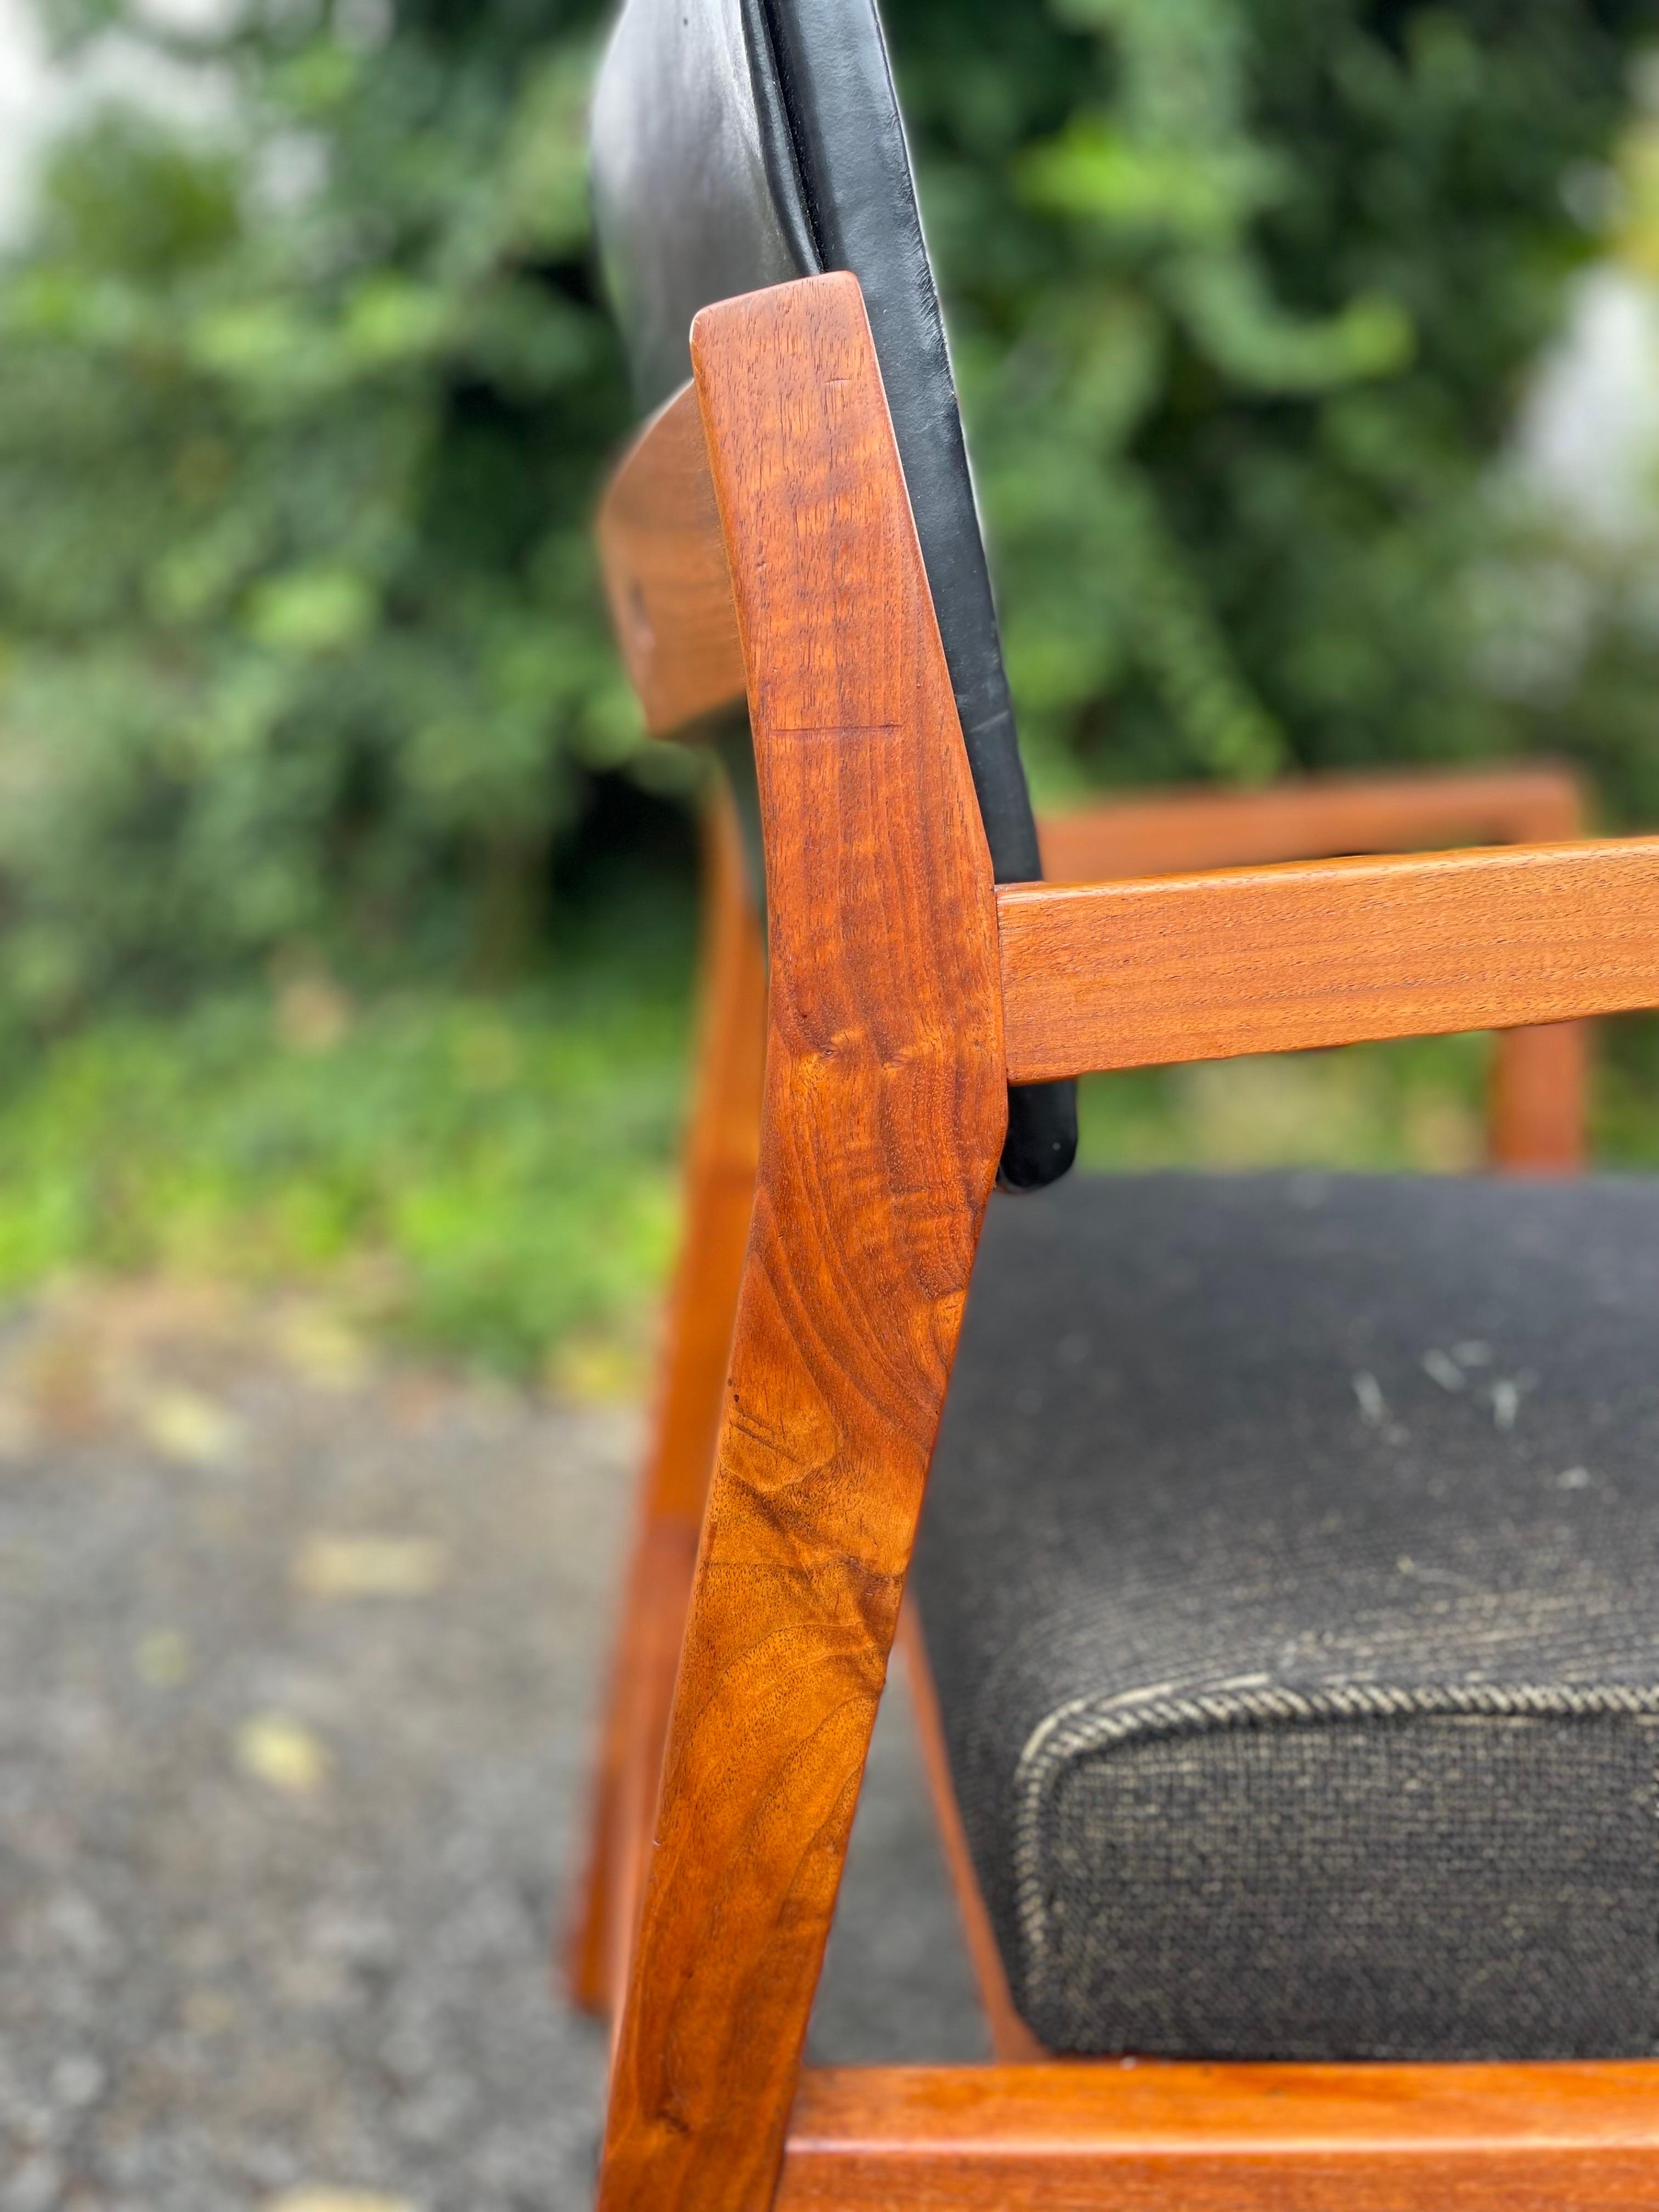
point(758, 542)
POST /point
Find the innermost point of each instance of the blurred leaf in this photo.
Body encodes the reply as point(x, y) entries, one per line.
point(126, 197)
point(370, 1567)
point(311, 610)
point(165, 1659)
point(336, 2200)
point(183, 1425)
point(282, 1753)
point(390, 319)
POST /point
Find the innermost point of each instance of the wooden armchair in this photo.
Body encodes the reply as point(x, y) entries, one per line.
point(1285, 1623)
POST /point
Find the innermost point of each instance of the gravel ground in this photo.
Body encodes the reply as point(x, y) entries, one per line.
point(297, 1668)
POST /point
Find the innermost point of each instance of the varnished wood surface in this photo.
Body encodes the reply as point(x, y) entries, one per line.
point(722, 1148)
point(1156, 2137)
point(596, 1952)
point(1538, 1108)
point(1012, 2041)
point(666, 573)
point(883, 1116)
point(1280, 959)
point(882, 1126)
point(1160, 833)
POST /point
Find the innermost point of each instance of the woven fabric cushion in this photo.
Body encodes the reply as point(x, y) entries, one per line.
point(1290, 1575)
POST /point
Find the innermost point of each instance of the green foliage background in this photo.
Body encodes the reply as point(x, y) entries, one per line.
point(301, 657)
point(300, 433)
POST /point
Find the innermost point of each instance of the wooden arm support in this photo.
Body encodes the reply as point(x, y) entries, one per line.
point(1390, 811)
point(1536, 1114)
point(1150, 972)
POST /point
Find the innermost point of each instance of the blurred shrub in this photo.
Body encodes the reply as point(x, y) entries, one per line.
point(301, 428)
point(489, 1176)
point(1246, 291)
point(299, 435)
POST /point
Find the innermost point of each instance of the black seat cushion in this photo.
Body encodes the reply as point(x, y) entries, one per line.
point(1290, 1574)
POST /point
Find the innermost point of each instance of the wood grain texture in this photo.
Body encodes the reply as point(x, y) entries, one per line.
point(1012, 2041)
point(666, 573)
point(1317, 818)
point(722, 1151)
point(1158, 2137)
point(1280, 959)
point(596, 1945)
point(884, 1117)
point(1538, 1106)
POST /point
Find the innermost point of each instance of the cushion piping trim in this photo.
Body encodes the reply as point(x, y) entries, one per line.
point(1090, 1723)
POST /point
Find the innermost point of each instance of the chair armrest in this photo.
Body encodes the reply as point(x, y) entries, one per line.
point(1153, 971)
point(1310, 818)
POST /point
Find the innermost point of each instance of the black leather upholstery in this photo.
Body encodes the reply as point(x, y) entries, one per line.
point(693, 199)
point(738, 143)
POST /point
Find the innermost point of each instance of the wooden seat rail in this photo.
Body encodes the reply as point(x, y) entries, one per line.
point(1122, 2136)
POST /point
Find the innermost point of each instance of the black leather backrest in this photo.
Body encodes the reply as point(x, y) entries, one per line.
point(738, 143)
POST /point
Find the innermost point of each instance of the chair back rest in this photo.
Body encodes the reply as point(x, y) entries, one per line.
point(738, 144)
